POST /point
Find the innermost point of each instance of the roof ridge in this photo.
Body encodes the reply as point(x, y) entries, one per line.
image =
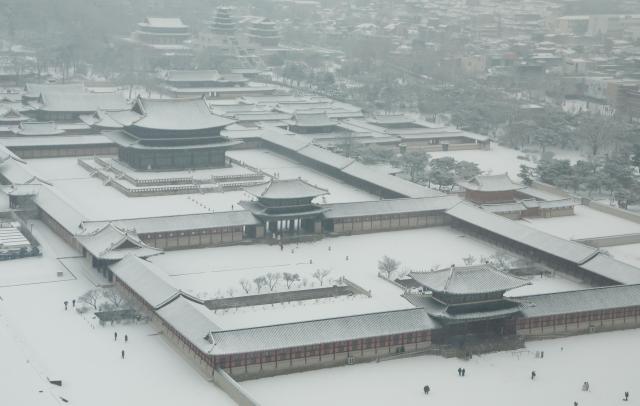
point(325, 319)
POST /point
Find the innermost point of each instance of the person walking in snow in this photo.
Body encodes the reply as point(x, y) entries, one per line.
point(464, 371)
point(427, 389)
point(66, 304)
point(459, 371)
point(533, 375)
point(115, 336)
point(74, 302)
point(575, 403)
point(126, 338)
point(626, 396)
point(122, 353)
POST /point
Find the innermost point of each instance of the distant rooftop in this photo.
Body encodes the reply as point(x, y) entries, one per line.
point(491, 183)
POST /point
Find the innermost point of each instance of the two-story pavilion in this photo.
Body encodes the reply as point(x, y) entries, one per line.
point(286, 206)
point(469, 300)
point(171, 134)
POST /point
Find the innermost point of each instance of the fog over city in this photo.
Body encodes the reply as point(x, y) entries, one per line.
point(319, 202)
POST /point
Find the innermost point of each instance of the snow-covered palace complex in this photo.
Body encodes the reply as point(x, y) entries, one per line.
point(255, 251)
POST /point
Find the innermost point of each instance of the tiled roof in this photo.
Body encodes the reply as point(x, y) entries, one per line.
point(146, 279)
point(322, 331)
point(390, 206)
point(523, 234)
point(603, 298)
point(286, 189)
point(475, 279)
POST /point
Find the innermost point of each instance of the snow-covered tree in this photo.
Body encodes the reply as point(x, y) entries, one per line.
point(91, 298)
point(290, 278)
point(388, 266)
point(321, 274)
point(260, 283)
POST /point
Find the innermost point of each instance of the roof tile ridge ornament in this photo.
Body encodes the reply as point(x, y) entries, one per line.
point(449, 278)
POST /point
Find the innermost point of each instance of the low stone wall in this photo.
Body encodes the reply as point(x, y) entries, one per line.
point(278, 297)
point(233, 389)
point(614, 211)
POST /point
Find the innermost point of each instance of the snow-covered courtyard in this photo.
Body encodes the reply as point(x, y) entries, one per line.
point(607, 361)
point(500, 159)
point(97, 201)
point(586, 223)
point(210, 273)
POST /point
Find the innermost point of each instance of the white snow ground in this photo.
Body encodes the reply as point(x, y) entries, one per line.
point(39, 339)
point(99, 202)
point(586, 223)
point(500, 159)
point(607, 360)
point(210, 272)
point(629, 253)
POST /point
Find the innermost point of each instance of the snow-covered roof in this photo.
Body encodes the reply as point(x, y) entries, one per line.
point(163, 22)
point(37, 141)
point(286, 189)
point(176, 114)
point(321, 331)
point(113, 243)
point(594, 299)
point(325, 156)
point(210, 75)
point(523, 234)
point(11, 115)
point(81, 102)
point(185, 222)
point(476, 279)
point(389, 182)
point(504, 207)
point(189, 319)
point(6, 154)
point(313, 120)
point(38, 128)
point(390, 206)
point(556, 204)
point(34, 90)
point(146, 279)
point(491, 183)
point(613, 269)
point(59, 209)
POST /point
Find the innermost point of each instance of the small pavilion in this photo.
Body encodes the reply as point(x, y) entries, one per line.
point(491, 189)
point(470, 300)
point(286, 206)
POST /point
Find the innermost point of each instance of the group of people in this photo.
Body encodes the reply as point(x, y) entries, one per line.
point(126, 340)
point(461, 372)
point(66, 304)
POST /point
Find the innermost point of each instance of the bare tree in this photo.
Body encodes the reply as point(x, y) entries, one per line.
point(290, 278)
point(231, 292)
point(500, 261)
point(321, 274)
point(469, 260)
point(91, 298)
point(246, 285)
point(273, 278)
point(113, 297)
point(388, 266)
point(260, 283)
